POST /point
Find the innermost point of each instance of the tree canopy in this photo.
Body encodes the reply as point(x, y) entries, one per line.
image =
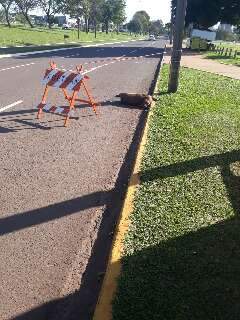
point(204, 14)
point(142, 24)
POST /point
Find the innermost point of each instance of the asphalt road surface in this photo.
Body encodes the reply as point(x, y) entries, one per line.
point(62, 188)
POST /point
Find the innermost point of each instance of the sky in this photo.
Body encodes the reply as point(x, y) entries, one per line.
point(157, 9)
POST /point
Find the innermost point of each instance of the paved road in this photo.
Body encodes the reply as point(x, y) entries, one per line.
point(61, 188)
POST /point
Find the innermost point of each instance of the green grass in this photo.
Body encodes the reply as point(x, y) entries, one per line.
point(223, 58)
point(22, 35)
point(182, 252)
point(228, 44)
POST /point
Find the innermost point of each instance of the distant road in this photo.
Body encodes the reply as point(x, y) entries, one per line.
point(61, 188)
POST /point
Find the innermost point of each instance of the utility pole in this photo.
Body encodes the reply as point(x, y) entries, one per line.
point(177, 45)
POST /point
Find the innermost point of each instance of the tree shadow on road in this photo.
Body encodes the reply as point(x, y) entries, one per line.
point(100, 53)
point(81, 304)
point(16, 121)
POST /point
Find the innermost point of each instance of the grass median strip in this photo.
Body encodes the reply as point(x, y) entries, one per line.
point(182, 252)
point(223, 59)
point(37, 38)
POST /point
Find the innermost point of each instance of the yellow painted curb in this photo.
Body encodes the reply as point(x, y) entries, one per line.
point(103, 310)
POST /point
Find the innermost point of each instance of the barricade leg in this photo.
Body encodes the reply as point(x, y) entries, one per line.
point(67, 97)
point(71, 107)
point(44, 98)
point(93, 104)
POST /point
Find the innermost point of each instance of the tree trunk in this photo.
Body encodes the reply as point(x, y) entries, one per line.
point(28, 20)
point(49, 23)
point(106, 24)
point(95, 29)
point(86, 25)
point(78, 27)
point(6, 10)
point(48, 20)
point(25, 14)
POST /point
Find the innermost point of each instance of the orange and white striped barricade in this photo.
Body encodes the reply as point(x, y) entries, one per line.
point(66, 81)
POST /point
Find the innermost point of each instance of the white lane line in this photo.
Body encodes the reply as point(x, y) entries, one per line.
point(134, 51)
point(104, 65)
point(11, 105)
point(122, 58)
point(18, 66)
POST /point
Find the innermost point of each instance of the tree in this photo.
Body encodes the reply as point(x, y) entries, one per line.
point(119, 15)
point(107, 13)
point(79, 8)
point(156, 27)
point(140, 22)
point(204, 14)
point(168, 29)
point(96, 13)
point(135, 26)
point(6, 4)
point(144, 19)
point(50, 8)
point(25, 6)
point(230, 12)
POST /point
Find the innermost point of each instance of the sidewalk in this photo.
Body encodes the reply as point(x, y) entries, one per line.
point(197, 61)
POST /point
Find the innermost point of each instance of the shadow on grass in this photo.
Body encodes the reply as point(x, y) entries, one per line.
point(224, 161)
point(195, 276)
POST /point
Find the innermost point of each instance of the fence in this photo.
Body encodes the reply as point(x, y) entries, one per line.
point(226, 52)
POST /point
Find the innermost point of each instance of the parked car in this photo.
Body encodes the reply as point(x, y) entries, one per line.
point(152, 38)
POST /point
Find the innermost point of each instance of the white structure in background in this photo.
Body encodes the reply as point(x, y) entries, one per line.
point(225, 27)
point(203, 34)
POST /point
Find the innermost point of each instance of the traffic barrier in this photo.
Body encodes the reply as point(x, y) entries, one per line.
point(66, 81)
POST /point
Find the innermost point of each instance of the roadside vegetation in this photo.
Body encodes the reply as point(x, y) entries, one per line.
point(22, 35)
point(227, 44)
point(223, 59)
point(181, 256)
point(226, 59)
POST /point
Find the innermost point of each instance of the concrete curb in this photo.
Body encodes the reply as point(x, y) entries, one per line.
point(103, 308)
point(62, 49)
